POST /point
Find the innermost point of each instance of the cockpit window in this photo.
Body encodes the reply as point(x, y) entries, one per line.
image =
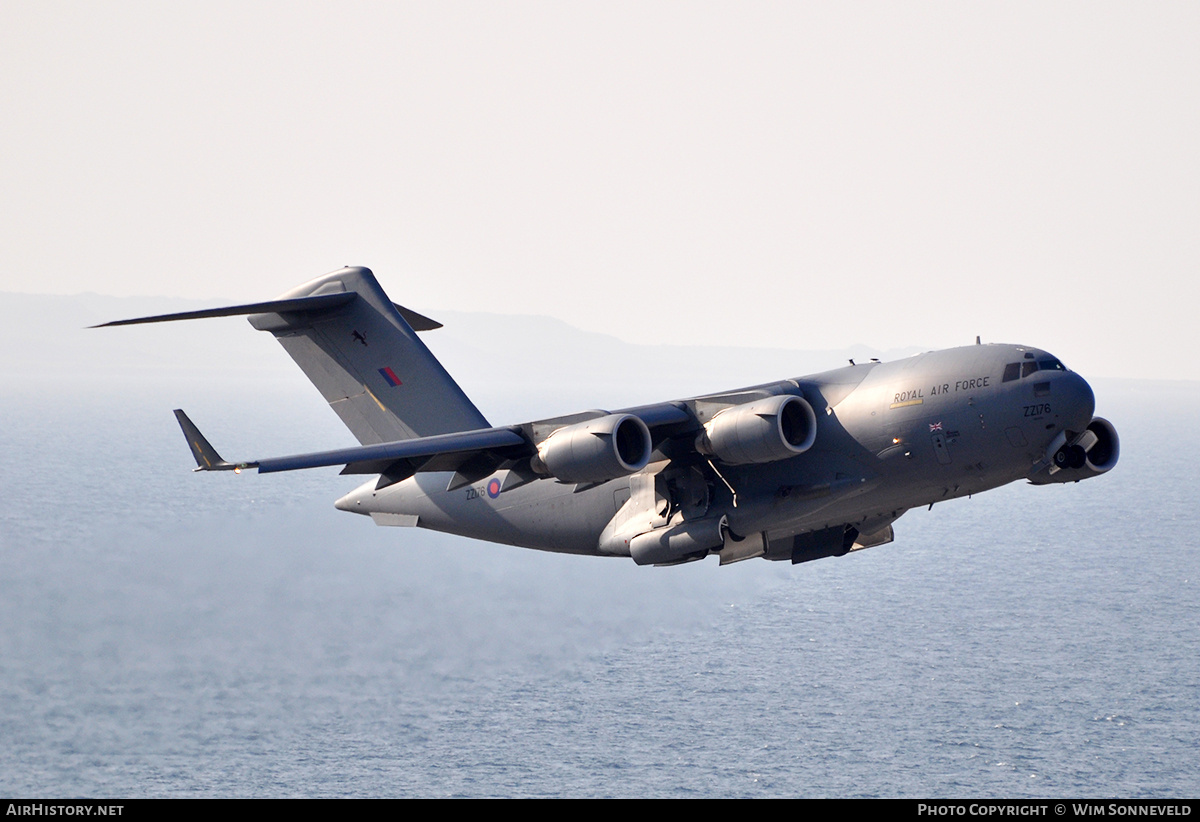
point(1020, 370)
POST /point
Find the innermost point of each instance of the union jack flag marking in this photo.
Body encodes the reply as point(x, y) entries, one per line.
point(935, 426)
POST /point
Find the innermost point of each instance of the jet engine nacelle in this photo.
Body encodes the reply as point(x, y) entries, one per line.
point(1091, 454)
point(762, 431)
point(595, 451)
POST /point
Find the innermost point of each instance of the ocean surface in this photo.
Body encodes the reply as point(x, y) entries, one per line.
point(171, 634)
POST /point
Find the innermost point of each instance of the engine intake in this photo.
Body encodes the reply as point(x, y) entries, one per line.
point(762, 431)
point(1094, 452)
point(596, 450)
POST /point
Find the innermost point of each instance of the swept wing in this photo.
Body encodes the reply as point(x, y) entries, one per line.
point(470, 454)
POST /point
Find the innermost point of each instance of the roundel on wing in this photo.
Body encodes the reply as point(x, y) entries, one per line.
point(493, 488)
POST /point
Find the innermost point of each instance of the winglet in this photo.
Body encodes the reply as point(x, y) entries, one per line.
point(207, 458)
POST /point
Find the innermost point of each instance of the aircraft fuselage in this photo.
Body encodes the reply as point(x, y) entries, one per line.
point(889, 437)
point(798, 469)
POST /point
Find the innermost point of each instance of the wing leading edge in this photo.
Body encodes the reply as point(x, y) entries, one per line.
point(472, 455)
point(394, 460)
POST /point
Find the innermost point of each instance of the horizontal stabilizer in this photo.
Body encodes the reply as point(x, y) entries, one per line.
point(323, 302)
point(207, 458)
point(418, 322)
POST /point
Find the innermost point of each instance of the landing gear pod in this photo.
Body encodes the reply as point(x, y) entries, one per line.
point(764, 431)
point(679, 543)
point(595, 451)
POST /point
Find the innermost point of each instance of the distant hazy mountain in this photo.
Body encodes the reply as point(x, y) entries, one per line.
point(498, 359)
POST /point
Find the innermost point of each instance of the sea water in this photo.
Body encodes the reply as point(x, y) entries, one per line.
point(164, 633)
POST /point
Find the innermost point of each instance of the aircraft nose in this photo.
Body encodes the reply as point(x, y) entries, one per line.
point(1077, 399)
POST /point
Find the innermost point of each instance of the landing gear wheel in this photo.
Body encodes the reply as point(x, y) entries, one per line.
point(1070, 456)
point(1078, 457)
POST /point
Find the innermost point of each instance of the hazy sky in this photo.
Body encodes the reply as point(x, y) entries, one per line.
point(803, 175)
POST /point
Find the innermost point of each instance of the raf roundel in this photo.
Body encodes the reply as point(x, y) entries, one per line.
point(493, 488)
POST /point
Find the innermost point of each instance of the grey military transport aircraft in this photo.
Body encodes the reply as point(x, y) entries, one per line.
point(796, 470)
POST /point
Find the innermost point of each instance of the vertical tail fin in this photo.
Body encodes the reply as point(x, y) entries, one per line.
point(366, 360)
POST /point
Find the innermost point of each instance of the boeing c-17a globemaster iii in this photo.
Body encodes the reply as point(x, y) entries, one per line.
point(797, 470)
